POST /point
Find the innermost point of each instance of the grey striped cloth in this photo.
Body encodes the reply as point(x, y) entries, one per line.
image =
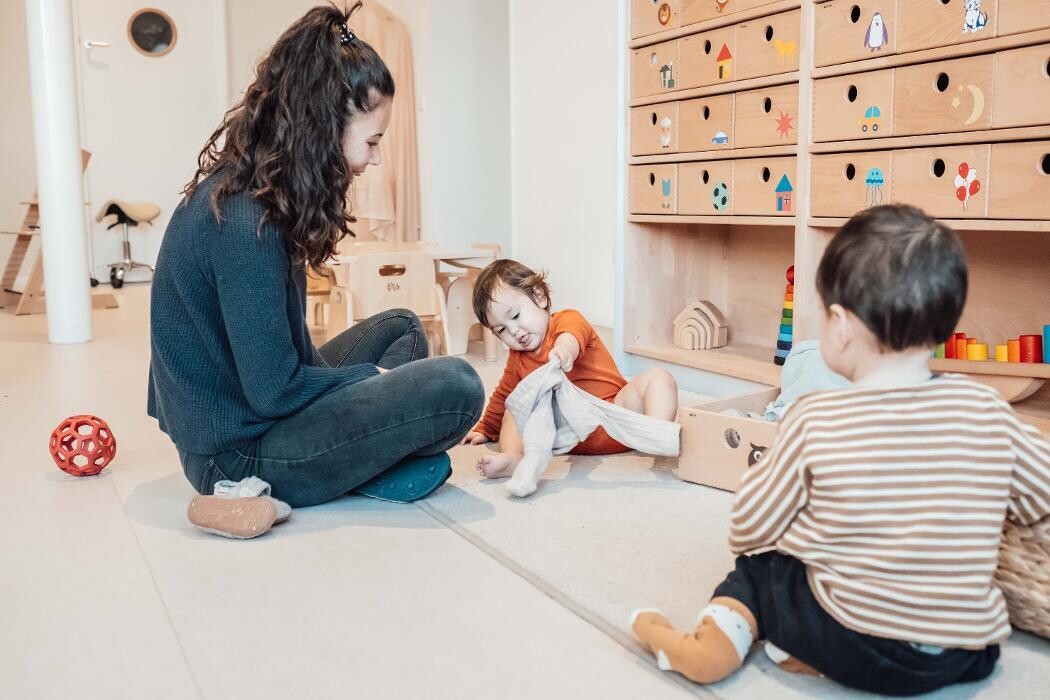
point(553, 415)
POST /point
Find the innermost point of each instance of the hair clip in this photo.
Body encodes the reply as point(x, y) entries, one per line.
point(346, 35)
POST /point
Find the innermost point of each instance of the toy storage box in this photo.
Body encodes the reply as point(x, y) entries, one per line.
point(717, 449)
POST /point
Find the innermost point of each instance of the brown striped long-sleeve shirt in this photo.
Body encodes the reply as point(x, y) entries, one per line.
point(894, 499)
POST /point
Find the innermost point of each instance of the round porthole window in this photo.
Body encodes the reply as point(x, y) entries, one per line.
point(152, 32)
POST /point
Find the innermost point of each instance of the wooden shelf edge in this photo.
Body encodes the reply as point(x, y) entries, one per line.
point(719, 89)
point(716, 23)
point(1004, 369)
point(957, 224)
point(941, 53)
point(1022, 133)
point(729, 153)
point(721, 361)
point(727, 220)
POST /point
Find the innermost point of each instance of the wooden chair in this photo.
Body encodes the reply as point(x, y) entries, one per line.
point(372, 280)
point(458, 286)
point(31, 299)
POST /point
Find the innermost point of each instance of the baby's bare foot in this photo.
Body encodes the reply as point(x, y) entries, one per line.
point(498, 465)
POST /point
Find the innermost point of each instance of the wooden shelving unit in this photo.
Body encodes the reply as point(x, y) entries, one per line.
point(738, 261)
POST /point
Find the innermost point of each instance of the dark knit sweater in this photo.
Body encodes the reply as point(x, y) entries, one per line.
point(231, 353)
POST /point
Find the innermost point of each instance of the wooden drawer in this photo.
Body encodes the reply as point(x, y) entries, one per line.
point(652, 16)
point(768, 45)
point(845, 183)
point(766, 117)
point(706, 188)
point(858, 106)
point(1016, 16)
point(924, 24)
point(1021, 187)
point(654, 129)
point(654, 69)
point(932, 179)
point(852, 30)
point(694, 11)
point(1022, 86)
point(764, 186)
point(706, 124)
point(943, 97)
point(708, 58)
point(654, 189)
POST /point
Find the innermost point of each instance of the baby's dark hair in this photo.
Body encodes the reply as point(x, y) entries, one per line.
point(902, 273)
point(511, 274)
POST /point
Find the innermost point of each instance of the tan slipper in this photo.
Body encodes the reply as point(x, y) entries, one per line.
point(240, 518)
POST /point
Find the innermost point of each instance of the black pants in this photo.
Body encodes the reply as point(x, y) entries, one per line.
point(774, 588)
point(350, 435)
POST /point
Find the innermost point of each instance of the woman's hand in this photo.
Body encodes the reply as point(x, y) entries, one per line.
point(474, 438)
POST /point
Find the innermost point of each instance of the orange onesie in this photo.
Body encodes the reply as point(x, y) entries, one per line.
point(594, 371)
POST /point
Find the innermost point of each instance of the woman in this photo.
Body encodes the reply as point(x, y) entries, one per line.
point(234, 379)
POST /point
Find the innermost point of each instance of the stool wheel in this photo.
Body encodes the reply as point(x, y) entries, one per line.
point(94, 281)
point(116, 277)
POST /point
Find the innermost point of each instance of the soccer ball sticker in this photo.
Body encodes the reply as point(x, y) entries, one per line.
point(720, 196)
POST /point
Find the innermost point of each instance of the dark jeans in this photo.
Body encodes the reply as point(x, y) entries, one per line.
point(352, 434)
point(774, 588)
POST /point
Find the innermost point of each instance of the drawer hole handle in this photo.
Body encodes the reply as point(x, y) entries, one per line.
point(854, 14)
point(938, 168)
point(1044, 164)
point(851, 171)
point(652, 179)
point(851, 93)
point(707, 113)
point(1046, 68)
point(707, 46)
point(942, 82)
point(391, 270)
point(945, 2)
point(732, 438)
point(705, 176)
point(766, 175)
point(769, 33)
point(653, 117)
point(767, 105)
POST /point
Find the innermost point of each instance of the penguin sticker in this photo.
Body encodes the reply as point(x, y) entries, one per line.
point(877, 35)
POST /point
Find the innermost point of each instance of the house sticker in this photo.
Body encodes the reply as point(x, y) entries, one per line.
point(784, 190)
point(725, 63)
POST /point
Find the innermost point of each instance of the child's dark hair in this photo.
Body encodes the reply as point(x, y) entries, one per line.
point(902, 273)
point(283, 141)
point(513, 275)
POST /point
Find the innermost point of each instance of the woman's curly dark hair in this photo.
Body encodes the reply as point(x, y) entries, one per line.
point(283, 141)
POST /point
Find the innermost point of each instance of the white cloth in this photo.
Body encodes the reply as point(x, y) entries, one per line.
point(249, 487)
point(804, 373)
point(553, 415)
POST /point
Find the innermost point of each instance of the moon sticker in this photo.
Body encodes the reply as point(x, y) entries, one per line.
point(978, 103)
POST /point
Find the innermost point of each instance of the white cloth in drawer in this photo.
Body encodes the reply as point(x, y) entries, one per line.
point(553, 415)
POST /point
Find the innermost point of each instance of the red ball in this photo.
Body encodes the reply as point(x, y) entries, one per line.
point(83, 445)
point(791, 274)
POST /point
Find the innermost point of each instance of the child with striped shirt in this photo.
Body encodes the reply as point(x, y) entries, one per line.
point(868, 535)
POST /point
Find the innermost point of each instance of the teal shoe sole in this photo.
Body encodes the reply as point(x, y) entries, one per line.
point(409, 480)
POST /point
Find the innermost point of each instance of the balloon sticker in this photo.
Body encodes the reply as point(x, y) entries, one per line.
point(966, 184)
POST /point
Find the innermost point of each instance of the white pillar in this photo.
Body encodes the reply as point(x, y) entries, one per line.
point(52, 75)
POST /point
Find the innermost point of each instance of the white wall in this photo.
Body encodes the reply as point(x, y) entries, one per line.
point(462, 102)
point(564, 153)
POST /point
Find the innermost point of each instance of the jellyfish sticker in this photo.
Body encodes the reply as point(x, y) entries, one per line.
point(873, 183)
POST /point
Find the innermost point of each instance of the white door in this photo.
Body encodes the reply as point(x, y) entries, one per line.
point(146, 112)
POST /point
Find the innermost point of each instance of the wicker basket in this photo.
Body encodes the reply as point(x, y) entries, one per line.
point(1024, 575)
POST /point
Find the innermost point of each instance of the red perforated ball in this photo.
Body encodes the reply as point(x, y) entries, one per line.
point(791, 274)
point(83, 445)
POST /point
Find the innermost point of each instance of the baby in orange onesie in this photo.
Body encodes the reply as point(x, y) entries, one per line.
point(515, 303)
